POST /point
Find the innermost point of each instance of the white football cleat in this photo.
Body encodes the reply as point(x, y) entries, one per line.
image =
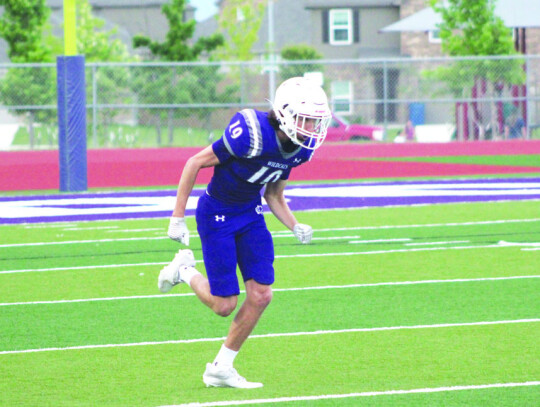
point(216, 376)
point(169, 276)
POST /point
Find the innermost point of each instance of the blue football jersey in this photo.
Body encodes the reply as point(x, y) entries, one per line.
point(250, 155)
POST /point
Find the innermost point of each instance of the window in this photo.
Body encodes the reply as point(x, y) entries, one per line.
point(341, 26)
point(342, 97)
point(435, 36)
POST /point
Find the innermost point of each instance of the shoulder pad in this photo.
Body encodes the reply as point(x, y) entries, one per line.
point(255, 135)
point(243, 137)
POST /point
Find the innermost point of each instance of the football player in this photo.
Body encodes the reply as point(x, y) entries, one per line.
point(258, 149)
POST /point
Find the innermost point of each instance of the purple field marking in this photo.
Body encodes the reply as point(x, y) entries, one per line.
point(297, 203)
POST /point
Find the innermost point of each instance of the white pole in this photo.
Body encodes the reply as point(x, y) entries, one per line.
point(272, 73)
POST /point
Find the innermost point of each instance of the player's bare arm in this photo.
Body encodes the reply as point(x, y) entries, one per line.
point(178, 229)
point(203, 159)
point(277, 203)
point(275, 199)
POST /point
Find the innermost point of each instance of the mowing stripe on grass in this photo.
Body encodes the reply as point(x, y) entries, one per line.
point(327, 287)
point(379, 240)
point(286, 233)
point(284, 256)
point(435, 243)
point(351, 395)
point(277, 335)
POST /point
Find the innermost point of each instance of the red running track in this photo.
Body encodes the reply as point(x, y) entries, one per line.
point(39, 170)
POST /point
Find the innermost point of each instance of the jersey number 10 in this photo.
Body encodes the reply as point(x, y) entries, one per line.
point(272, 177)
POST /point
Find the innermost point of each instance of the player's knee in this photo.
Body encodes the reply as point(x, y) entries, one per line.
point(262, 297)
point(225, 307)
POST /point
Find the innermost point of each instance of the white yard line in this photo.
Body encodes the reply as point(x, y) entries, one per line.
point(76, 228)
point(284, 256)
point(352, 395)
point(50, 225)
point(123, 239)
point(522, 244)
point(431, 225)
point(105, 266)
point(286, 233)
point(327, 287)
point(277, 335)
point(136, 230)
point(420, 249)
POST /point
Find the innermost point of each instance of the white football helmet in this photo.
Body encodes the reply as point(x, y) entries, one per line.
point(301, 108)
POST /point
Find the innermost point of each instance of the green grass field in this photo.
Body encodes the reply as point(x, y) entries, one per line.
point(396, 306)
point(531, 160)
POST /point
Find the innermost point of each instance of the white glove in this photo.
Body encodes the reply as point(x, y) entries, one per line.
point(178, 230)
point(303, 233)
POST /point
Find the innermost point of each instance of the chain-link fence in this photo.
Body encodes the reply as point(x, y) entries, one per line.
point(189, 104)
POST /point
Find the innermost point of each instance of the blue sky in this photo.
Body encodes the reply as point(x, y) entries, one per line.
point(205, 8)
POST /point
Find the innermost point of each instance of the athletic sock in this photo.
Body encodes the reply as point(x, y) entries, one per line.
point(225, 356)
point(187, 273)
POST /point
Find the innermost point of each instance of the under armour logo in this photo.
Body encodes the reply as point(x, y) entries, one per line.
point(258, 209)
point(297, 160)
point(220, 218)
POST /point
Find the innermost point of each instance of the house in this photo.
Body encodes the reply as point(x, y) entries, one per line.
point(337, 29)
point(419, 36)
point(354, 30)
point(420, 23)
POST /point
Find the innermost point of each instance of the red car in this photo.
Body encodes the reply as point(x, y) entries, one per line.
point(341, 130)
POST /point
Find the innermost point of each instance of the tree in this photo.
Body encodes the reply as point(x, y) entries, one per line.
point(24, 26)
point(180, 84)
point(471, 28)
point(99, 45)
point(176, 46)
point(240, 20)
point(300, 52)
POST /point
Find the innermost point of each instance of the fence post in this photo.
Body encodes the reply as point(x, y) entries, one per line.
point(94, 107)
point(385, 100)
point(242, 85)
point(528, 87)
